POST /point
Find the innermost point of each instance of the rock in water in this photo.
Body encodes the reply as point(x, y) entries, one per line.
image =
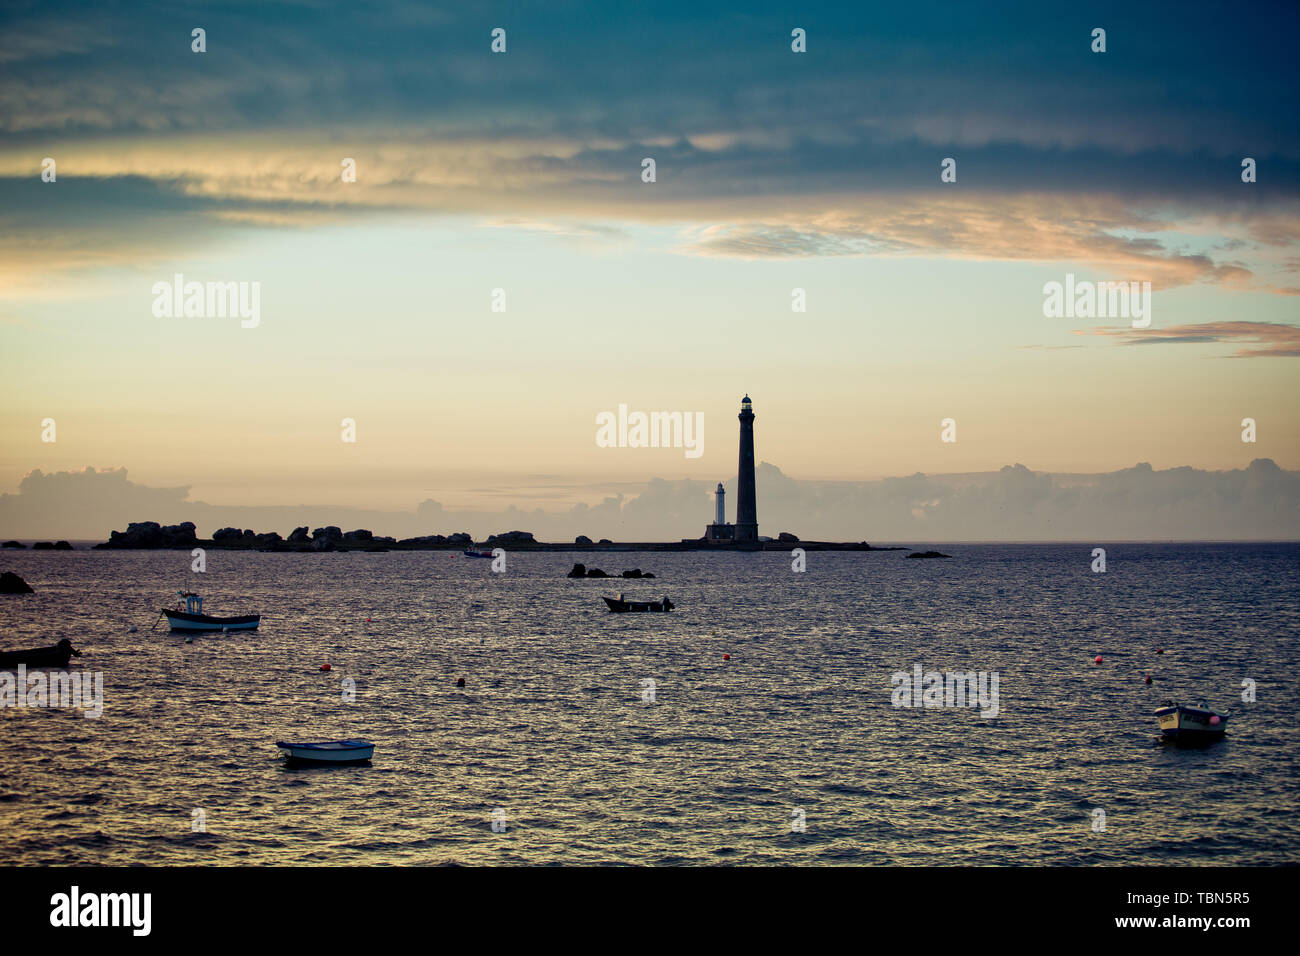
point(11, 583)
point(928, 554)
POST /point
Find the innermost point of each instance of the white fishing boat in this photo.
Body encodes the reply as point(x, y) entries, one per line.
point(1182, 722)
point(192, 617)
point(331, 751)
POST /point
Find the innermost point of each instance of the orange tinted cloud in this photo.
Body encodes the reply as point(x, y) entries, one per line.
point(1256, 339)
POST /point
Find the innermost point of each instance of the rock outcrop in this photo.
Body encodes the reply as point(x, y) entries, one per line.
point(11, 583)
point(927, 554)
point(424, 541)
point(149, 534)
point(511, 538)
point(580, 570)
point(327, 538)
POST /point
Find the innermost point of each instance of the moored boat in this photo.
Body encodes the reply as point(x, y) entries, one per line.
point(1186, 724)
point(193, 618)
point(55, 656)
point(329, 751)
point(476, 553)
point(620, 606)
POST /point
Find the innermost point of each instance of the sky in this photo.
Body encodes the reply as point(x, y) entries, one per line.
point(522, 171)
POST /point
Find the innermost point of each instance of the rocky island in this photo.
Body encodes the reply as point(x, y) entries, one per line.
point(150, 535)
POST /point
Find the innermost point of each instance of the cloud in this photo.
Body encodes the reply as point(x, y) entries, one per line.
point(1257, 339)
point(1260, 502)
point(762, 153)
point(1041, 228)
point(947, 73)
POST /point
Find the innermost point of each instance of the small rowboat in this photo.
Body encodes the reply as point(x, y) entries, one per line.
point(619, 606)
point(193, 618)
point(56, 656)
point(472, 553)
point(332, 751)
point(1186, 724)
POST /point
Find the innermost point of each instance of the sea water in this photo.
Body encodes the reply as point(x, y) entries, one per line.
point(583, 736)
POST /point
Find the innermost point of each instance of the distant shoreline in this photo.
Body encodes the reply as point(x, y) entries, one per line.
point(539, 546)
point(151, 536)
point(90, 544)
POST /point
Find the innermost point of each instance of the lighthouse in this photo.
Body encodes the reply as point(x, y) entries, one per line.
point(743, 534)
point(746, 507)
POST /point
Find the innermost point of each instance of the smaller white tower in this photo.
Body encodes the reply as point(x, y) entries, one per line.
point(721, 494)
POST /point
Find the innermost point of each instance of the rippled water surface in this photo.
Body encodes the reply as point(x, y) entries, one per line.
point(551, 727)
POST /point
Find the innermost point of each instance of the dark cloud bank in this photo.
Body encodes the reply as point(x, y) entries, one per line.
point(1259, 502)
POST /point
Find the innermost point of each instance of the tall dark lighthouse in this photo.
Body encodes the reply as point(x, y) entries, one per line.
point(746, 508)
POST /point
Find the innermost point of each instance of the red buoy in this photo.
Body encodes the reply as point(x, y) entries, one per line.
point(326, 667)
point(460, 682)
point(1160, 650)
point(367, 620)
point(1148, 678)
point(1097, 659)
point(1214, 721)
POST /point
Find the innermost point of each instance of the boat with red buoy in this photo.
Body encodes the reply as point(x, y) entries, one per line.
point(1184, 723)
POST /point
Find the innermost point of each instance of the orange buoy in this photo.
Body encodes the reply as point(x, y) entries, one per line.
point(326, 667)
point(1097, 659)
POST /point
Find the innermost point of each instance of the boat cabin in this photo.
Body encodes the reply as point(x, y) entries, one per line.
point(193, 603)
